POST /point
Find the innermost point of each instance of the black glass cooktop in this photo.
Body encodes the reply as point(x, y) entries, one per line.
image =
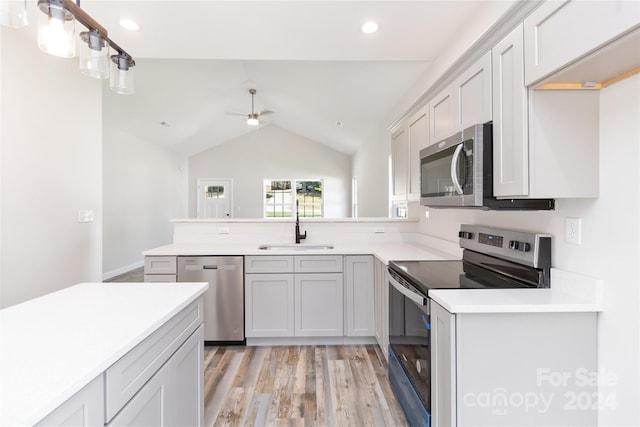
point(425, 275)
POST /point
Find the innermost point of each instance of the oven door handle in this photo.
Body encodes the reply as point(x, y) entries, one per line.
point(454, 168)
point(413, 296)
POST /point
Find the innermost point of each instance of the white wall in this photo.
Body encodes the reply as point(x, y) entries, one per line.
point(610, 247)
point(370, 166)
point(51, 168)
point(273, 153)
point(144, 186)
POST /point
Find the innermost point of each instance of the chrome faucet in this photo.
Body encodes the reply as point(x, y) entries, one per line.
point(298, 235)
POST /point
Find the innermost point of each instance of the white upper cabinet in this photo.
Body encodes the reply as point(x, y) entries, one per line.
point(465, 102)
point(441, 120)
point(472, 95)
point(510, 139)
point(559, 32)
point(399, 163)
point(418, 129)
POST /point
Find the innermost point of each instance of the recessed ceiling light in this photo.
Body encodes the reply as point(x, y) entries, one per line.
point(369, 27)
point(130, 25)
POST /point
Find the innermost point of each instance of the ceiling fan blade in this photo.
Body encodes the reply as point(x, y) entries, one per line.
point(265, 112)
point(233, 113)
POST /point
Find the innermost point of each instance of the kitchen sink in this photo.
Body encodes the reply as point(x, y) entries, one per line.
point(295, 247)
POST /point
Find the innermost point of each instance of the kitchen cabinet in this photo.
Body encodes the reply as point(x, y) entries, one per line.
point(269, 305)
point(465, 102)
point(85, 408)
point(441, 115)
point(158, 382)
point(319, 305)
point(294, 296)
point(359, 295)
point(545, 142)
point(485, 364)
point(160, 269)
point(132, 372)
point(406, 143)
point(472, 95)
point(171, 397)
point(399, 164)
point(418, 129)
point(510, 112)
point(560, 32)
point(381, 295)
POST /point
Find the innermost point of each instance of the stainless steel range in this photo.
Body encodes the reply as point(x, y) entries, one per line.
point(492, 258)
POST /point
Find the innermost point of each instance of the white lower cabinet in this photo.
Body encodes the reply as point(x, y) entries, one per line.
point(159, 382)
point(309, 296)
point(269, 305)
point(318, 304)
point(171, 397)
point(381, 307)
point(359, 296)
point(513, 368)
point(85, 408)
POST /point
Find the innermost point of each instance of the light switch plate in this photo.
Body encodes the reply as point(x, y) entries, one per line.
point(85, 215)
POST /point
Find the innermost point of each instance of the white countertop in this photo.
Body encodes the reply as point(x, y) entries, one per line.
point(569, 292)
point(383, 251)
point(52, 346)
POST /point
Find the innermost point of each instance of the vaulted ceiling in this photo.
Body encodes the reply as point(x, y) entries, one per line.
point(308, 60)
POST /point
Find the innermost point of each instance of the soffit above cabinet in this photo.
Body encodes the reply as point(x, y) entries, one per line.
point(609, 64)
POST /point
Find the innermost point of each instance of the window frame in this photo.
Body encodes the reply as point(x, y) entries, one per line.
point(293, 184)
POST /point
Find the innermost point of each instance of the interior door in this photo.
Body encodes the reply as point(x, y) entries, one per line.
point(214, 198)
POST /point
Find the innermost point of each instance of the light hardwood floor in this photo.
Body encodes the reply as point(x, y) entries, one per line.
point(298, 386)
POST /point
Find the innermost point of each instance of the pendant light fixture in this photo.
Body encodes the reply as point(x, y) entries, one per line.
point(56, 29)
point(13, 13)
point(56, 36)
point(122, 74)
point(94, 55)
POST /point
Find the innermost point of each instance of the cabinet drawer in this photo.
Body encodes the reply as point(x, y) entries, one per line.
point(160, 278)
point(268, 264)
point(160, 265)
point(318, 264)
point(125, 377)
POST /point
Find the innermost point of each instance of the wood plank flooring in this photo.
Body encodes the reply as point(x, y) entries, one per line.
point(298, 386)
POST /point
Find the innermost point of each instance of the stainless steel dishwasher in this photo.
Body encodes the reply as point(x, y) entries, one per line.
point(224, 300)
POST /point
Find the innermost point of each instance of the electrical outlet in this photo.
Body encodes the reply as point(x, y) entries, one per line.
point(223, 230)
point(85, 215)
point(378, 230)
point(573, 231)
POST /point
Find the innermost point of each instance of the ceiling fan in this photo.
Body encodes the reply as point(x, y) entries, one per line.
point(253, 118)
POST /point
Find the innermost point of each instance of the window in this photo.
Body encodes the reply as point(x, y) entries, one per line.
point(280, 198)
point(214, 192)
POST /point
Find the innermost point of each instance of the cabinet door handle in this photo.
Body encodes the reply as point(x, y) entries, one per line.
point(210, 267)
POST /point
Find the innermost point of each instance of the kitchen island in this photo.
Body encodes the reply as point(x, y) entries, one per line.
point(59, 346)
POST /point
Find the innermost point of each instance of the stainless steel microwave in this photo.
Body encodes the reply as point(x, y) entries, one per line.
point(458, 172)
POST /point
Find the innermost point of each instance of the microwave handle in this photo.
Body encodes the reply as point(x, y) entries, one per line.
point(454, 167)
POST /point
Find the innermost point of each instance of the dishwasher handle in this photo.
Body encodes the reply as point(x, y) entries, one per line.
point(199, 267)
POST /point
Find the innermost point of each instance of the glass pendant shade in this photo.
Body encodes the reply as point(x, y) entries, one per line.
point(122, 74)
point(56, 29)
point(13, 13)
point(94, 55)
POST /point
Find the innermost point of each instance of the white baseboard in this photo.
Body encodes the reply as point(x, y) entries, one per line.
point(113, 273)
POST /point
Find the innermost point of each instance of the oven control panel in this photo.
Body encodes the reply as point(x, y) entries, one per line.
point(490, 239)
point(528, 248)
